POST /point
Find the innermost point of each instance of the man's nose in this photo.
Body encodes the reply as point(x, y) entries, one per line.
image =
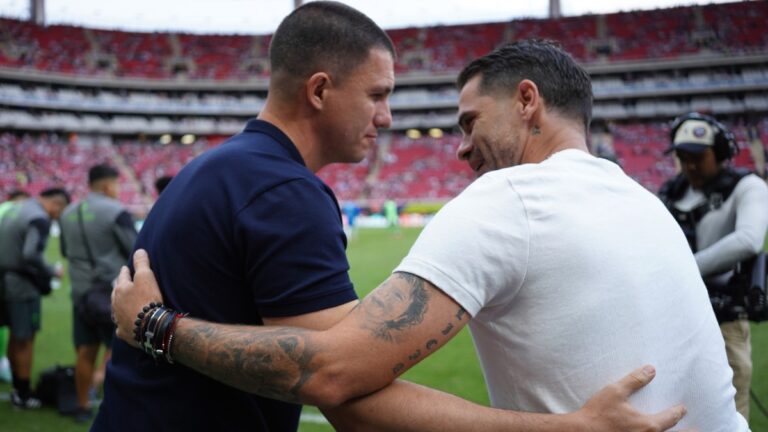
point(383, 117)
point(465, 148)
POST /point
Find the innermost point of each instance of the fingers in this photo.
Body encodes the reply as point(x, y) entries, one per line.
point(145, 287)
point(124, 277)
point(140, 260)
point(670, 417)
point(636, 380)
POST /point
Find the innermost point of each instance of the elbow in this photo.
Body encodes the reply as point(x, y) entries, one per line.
point(330, 387)
point(753, 243)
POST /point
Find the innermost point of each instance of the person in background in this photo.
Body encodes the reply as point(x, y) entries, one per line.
point(5, 365)
point(97, 235)
point(723, 212)
point(24, 230)
point(351, 211)
point(392, 215)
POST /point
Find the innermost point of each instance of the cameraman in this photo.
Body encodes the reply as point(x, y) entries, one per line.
point(724, 214)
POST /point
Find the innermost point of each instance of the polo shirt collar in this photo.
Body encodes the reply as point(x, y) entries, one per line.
point(261, 126)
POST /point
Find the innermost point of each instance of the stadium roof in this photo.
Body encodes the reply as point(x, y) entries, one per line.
point(263, 16)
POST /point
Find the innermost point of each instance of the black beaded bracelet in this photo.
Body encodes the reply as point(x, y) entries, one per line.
point(154, 329)
point(141, 321)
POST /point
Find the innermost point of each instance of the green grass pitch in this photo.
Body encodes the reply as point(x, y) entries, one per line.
point(372, 254)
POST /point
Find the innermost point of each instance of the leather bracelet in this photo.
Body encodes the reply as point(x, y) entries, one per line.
point(154, 329)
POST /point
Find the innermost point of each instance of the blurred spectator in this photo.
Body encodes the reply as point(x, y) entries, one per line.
point(97, 235)
point(5, 366)
point(27, 276)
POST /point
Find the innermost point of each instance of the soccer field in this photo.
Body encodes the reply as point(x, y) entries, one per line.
point(373, 254)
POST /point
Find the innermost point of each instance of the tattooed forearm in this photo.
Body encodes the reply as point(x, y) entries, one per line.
point(398, 367)
point(271, 363)
point(406, 302)
point(461, 314)
point(431, 344)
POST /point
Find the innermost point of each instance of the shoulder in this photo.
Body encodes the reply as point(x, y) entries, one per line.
point(751, 189)
point(753, 181)
point(69, 210)
point(32, 210)
point(752, 185)
point(105, 202)
point(303, 195)
point(492, 197)
point(259, 158)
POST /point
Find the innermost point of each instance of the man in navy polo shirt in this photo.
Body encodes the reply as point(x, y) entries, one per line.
point(247, 234)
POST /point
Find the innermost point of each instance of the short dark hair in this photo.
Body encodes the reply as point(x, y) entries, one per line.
point(16, 194)
point(323, 35)
point(162, 182)
point(564, 85)
point(102, 171)
point(56, 192)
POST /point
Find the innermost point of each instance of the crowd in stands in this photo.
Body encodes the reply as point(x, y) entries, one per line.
point(425, 167)
point(399, 168)
point(662, 33)
point(148, 162)
point(36, 162)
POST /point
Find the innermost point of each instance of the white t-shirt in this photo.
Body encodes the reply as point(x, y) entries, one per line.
point(575, 275)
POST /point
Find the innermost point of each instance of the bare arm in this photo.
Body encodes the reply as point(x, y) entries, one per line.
point(420, 409)
point(400, 323)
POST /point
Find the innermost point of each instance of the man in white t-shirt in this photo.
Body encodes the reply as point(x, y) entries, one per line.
point(568, 272)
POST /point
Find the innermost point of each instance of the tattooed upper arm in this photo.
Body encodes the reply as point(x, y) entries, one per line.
point(411, 314)
point(395, 306)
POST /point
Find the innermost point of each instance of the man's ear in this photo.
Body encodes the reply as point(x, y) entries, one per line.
point(529, 99)
point(316, 89)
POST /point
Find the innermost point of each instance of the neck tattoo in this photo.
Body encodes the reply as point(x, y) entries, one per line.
point(535, 131)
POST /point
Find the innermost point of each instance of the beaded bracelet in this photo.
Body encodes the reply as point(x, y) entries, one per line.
point(154, 328)
point(141, 321)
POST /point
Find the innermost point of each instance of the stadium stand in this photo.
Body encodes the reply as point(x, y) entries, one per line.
point(72, 96)
point(731, 27)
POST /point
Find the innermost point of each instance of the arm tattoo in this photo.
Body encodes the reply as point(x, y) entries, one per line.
point(415, 355)
point(271, 363)
point(431, 344)
point(408, 304)
point(460, 314)
point(447, 329)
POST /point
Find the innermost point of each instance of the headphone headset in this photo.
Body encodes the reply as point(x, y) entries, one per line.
point(725, 146)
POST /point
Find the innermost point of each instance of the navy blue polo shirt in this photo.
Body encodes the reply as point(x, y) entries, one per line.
point(244, 231)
